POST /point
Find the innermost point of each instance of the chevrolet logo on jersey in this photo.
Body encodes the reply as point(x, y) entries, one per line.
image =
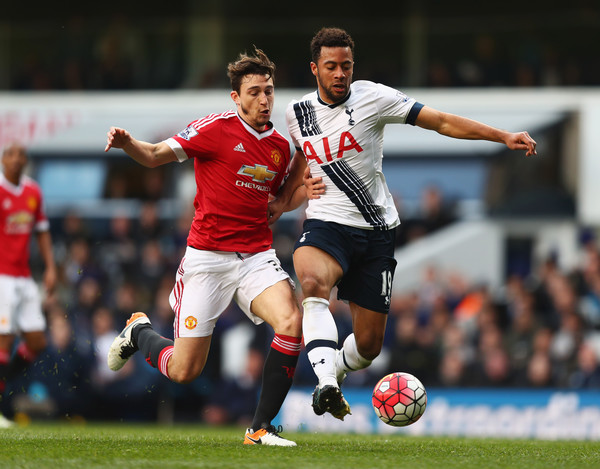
point(259, 172)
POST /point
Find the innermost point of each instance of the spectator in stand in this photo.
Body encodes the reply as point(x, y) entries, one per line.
point(434, 213)
point(539, 372)
point(587, 373)
point(65, 365)
point(119, 251)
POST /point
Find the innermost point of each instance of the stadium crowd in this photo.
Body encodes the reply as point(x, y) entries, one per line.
point(118, 53)
point(542, 330)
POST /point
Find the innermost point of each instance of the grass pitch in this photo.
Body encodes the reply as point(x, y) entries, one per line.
point(151, 446)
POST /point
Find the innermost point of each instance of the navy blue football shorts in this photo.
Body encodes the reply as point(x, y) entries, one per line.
point(366, 258)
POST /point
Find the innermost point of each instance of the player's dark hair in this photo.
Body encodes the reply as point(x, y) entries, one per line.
point(330, 37)
point(257, 64)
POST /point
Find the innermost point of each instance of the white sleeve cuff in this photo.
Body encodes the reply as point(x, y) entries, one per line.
point(177, 148)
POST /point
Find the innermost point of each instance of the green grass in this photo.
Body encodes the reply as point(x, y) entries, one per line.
point(151, 446)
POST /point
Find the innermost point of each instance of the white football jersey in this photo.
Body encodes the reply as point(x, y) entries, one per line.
point(343, 143)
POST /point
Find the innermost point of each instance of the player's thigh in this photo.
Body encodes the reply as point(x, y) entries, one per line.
point(322, 254)
point(30, 317)
point(265, 293)
point(204, 286)
point(277, 306)
point(8, 305)
point(368, 282)
point(189, 357)
point(317, 271)
point(369, 330)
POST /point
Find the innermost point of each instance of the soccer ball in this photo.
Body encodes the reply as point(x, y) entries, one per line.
point(399, 399)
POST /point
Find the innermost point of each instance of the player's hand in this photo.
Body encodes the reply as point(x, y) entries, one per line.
point(50, 279)
point(314, 185)
point(117, 138)
point(522, 141)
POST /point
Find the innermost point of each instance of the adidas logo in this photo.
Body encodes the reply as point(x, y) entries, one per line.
point(239, 147)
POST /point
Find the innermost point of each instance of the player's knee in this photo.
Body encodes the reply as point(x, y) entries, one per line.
point(289, 324)
point(184, 375)
point(369, 349)
point(370, 353)
point(313, 285)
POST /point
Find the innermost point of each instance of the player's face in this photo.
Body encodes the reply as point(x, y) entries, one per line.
point(334, 73)
point(14, 160)
point(255, 100)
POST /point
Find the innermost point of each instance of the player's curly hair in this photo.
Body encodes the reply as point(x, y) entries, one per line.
point(257, 64)
point(329, 37)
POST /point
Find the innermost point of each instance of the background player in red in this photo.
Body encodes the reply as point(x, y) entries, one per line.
point(21, 215)
point(239, 161)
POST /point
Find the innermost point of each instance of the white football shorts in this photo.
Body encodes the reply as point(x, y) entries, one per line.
point(20, 306)
point(207, 282)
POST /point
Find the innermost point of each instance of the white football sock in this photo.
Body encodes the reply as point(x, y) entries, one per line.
point(350, 359)
point(320, 339)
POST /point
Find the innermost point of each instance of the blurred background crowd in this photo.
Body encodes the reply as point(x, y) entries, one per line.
point(540, 330)
point(414, 43)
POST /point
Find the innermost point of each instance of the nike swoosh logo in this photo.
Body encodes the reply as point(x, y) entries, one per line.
point(257, 442)
point(122, 334)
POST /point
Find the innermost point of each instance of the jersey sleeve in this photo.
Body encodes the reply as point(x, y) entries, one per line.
point(292, 125)
point(41, 219)
point(198, 140)
point(396, 107)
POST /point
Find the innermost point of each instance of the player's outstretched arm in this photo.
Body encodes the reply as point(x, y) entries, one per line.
point(146, 154)
point(455, 126)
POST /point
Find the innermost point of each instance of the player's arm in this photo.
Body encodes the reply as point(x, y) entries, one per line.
point(308, 187)
point(455, 126)
point(147, 154)
point(291, 194)
point(313, 187)
point(50, 274)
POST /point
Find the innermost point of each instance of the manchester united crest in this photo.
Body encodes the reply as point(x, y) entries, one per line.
point(276, 156)
point(190, 322)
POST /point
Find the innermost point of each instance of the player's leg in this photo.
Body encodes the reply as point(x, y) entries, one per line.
point(6, 344)
point(28, 321)
point(362, 346)
point(7, 336)
point(367, 288)
point(20, 313)
point(181, 360)
point(30, 347)
point(318, 272)
point(196, 307)
point(266, 294)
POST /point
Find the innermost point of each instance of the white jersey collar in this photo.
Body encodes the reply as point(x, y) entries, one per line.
point(15, 189)
point(334, 104)
point(259, 135)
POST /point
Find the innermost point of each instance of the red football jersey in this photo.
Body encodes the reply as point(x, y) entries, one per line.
point(236, 168)
point(21, 212)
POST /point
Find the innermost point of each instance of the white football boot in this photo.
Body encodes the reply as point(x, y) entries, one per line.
point(122, 347)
